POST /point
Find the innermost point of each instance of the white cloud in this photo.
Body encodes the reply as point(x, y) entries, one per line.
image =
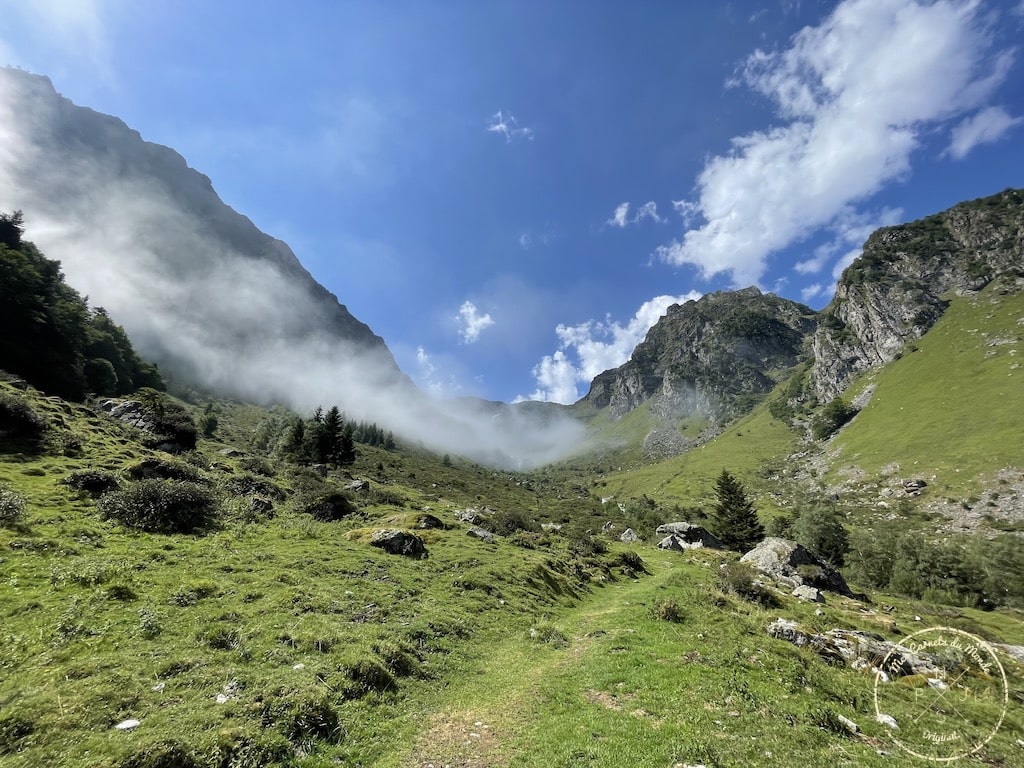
point(587, 349)
point(471, 322)
point(73, 30)
point(856, 92)
point(849, 228)
point(987, 126)
point(508, 126)
point(812, 291)
point(621, 218)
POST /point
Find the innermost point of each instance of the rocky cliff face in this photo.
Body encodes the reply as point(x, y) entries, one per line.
point(901, 285)
point(711, 357)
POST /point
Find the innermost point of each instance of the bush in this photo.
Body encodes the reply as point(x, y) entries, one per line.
point(94, 481)
point(740, 579)
point(302, 719)
point(19, 423)
point(163, 469)
point(507, 523)
point(821, 531)
point(12, 506)
point(834, 415)
point(668, 610)
point(549, 634)
point(161, 506)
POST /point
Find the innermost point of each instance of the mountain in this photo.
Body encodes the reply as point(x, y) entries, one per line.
point(161, 222)
point(713, 357)
point(903, 281)
point(220, 306)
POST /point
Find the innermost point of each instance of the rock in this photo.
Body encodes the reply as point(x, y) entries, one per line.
point(790, 563)
point(550, 526)
point(127, 725)
point(848, 724)
point(231, 453)
point(359, 486)
point(811, 594)
point(223, 698)
point(428, 522)
point(481, 534)
point(398, 542)
point(629, 536)
point(887, 720)
point(859, 650)
point(683, 536)
point(608, 527)
point(1014, 651)
point(914, 485)
point(470, 516)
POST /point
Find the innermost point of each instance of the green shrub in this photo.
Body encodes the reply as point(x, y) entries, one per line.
point(161, 506)
point(507, 523)
point(12, 506)
point(822, 532)
point(548, 634)
point(302, 718)
point(668, 610)
point(155, 468)
point(740, 579)
point(20, 424)
point(93, 481)
point(834, 415)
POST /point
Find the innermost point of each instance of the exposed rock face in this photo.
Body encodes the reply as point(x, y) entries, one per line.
point(896, 290)
point(482, 534)
point(629, 536)
point(710, 357)
point(682, 536)
point(792, 564)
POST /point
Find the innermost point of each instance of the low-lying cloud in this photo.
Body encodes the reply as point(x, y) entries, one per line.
point(144, 236)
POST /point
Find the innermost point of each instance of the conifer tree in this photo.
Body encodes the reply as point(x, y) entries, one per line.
point(733, 518)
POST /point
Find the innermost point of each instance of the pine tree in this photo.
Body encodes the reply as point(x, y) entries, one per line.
point(347, 446)
point(733, 519)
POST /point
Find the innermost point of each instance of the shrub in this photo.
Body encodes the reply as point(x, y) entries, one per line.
point(12, 506)
point(507, 523)
point(668, 610)
point(302, 718)
point(548, 634)
point(94, 481)
point(834, 415)
point(12, 730)
point(821, 531)
point(19, 423)
point(155, 468)
point(740, 579)
point(161, 506)
point(254, 485)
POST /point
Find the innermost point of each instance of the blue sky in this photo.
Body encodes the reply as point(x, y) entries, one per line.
point(511, 193)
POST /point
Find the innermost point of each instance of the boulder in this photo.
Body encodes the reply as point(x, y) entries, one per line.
point(608, 527)
point(470, 516)
point(683, 536)
point(811, 594)
point(359, 486)
point(790, 563)
point(629, 536)
point(550, 526)
point(398, 542)
point(481, 534)
point(859, 650)
point(427, 521)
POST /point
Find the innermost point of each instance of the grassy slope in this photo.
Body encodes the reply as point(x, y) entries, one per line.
point(953, 410)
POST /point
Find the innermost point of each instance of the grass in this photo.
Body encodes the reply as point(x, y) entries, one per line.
point(953, 408)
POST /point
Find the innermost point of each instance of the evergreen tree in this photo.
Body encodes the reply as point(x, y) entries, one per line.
point(329, 437)
point(347, 446)
point(733, 518)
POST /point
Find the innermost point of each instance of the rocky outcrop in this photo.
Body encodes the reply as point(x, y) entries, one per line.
point(710, 357)
point(682, 536)
point(397, 542)
point(792, 564)
point(899, 286)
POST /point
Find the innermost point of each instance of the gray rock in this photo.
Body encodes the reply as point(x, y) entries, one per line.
point(470, 516)
point(792, 564)
point(811, 594)
point(629, 536)
point(427, 521)
point(848, 724)
point(683, 536)
point(481, 534)
point(550, 526)
point(887, 720)
point(608, 527)
point(359, 486)
point(398, 542)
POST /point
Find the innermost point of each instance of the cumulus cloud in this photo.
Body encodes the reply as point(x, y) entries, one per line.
point(590, 348)
point(76, 29)
point(471, 322)
point(985, 127)
point(854, 95)
point(849, 228)
point(210, 298)
point(620, 216)
point(507, 125)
